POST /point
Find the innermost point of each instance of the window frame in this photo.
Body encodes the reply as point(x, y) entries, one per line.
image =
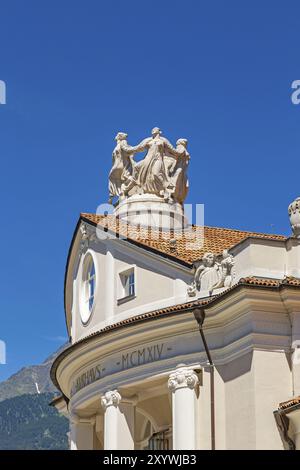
point(123, 295)
point(89, 266)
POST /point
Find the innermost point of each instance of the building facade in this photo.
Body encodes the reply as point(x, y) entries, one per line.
point(181, 337)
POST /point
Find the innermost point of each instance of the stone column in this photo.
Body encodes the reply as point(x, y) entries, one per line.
point(81, 433)
point(182, 383)
point(118, 421)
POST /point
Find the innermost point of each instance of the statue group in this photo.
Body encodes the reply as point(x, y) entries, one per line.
point(163, 171)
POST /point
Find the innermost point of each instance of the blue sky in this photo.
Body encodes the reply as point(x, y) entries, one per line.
point(218, 73)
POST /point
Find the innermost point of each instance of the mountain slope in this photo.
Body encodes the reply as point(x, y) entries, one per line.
point(30, 380)
point(28, 422)
point(26, 419)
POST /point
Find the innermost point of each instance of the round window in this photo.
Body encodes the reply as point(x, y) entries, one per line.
point(88, 288)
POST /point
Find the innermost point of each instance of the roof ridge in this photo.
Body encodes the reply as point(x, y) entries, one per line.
point(244, 231)
point(213, 227)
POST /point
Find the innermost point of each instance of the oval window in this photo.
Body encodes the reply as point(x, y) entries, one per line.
point(88, 288)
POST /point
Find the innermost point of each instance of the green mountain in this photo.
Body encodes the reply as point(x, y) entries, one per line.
point(28, 422)
point(26, 419)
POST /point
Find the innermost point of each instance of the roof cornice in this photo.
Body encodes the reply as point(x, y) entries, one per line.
point(206, 304)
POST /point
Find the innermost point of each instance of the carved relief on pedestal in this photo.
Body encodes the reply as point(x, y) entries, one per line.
point(162, 172)
point(111, 398)
point(212, 273)
point(181, 378)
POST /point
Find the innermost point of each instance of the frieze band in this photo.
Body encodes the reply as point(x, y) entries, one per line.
point(128, 360)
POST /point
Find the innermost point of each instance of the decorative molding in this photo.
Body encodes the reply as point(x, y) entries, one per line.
point(182, 378)
point(263, 309)
point(111, 398)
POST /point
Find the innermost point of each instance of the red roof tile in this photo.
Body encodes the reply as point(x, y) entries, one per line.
point(187, 246)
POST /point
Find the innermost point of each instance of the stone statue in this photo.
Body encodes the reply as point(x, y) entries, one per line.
point(226, 267)
point(121, 173)
point(294, 214)
point(178, 172)
point(208, 273)
point(153, 177)
point(212, 274)
point(162, 172)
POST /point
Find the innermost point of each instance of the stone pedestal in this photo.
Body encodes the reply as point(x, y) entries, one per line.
point(151, 211)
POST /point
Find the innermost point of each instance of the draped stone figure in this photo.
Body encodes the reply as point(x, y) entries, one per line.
point(153, 177)
point(227, 264)
point(178, 172)
point(121, 173)
point(208, 273)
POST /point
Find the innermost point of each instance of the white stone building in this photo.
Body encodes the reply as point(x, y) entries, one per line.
point(180, 337)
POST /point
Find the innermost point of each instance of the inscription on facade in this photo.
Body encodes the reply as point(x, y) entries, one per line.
point(142, 356)
point(130, 359)
point(87, 378)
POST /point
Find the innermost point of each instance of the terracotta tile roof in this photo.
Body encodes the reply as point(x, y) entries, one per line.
point(187, 246)
point(289, 403)
point(268, 282)
point(291, 281)
point(150, 315)
point(260, 281)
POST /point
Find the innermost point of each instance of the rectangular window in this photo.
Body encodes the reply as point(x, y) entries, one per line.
point(127, 285)
point(130, 284)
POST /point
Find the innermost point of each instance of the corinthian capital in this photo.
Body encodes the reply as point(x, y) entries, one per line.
point(111, 398)
point(181, 378)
